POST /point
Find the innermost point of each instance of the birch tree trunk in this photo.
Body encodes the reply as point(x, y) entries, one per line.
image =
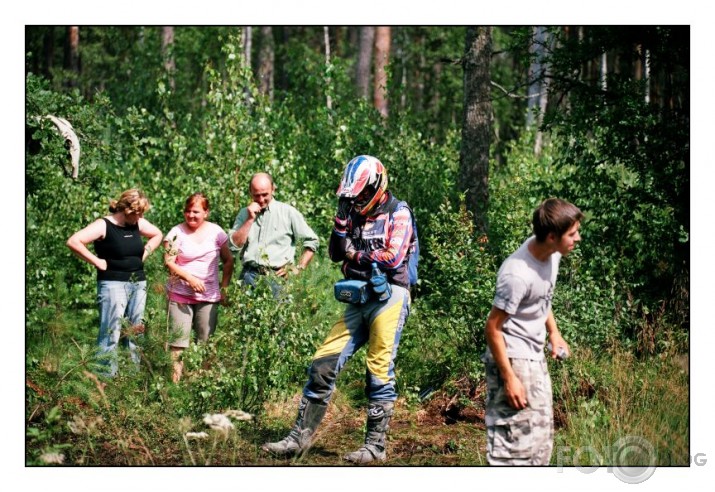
point(476, 126)
point(543, 102)
point(536, 73)
point(247, 41)
point(603, 72)
point(646, 75)
point(382, 58)
point(545, 43)
point(364, 61)
point(328, 82)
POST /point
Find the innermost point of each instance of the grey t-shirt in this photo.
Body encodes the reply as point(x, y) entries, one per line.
point(525, 287)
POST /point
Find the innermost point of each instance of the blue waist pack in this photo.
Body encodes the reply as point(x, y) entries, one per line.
point(352, 291)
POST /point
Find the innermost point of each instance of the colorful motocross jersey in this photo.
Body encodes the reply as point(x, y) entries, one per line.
point(381, 238)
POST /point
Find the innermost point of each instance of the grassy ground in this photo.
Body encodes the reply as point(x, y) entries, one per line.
point(140, 418)
point(604, 403)
point(597, 402)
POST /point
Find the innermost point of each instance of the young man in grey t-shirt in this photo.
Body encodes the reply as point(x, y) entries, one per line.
point(519, 415)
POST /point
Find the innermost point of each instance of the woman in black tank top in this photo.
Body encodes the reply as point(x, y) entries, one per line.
point(119, 255)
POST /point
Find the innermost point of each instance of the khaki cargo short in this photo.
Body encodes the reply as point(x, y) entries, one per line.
point(520, 437)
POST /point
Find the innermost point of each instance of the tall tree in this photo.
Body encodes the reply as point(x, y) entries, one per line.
point(383, 36)
point(72, 55)
point(266, 62)
point(167, 51)
point(646, 76)
point(536, 73)
point(364, 61)
point(539, 83)
point(476, 126)
point(246, 41)
point(328, 82)
point(603, 72)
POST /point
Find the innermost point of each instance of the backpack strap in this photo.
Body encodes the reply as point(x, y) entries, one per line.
point(394, 204)
point(392, 207)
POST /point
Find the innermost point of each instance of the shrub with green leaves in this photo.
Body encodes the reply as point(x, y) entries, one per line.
point(262, 346)
point(444, 336)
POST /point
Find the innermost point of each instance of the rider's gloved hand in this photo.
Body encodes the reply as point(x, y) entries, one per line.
point(345, 205)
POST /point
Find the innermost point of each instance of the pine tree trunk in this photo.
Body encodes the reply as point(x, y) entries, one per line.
point(266, 62)
point(402, 57)
point(476, 126)
point(167, 51)
point(72, 55)
point(435, 96)
point(281, 78)
point(382, 58)
point(364, 61)
point(353, 44)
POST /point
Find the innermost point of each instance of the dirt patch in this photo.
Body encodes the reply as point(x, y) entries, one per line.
point(465, 402)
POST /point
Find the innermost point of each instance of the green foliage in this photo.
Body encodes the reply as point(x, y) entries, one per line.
point(515, 191)
point(601, 398)
point(625, 163)
point(445, 333)
point(41, 440)
point(56, 206)
point(263, 346)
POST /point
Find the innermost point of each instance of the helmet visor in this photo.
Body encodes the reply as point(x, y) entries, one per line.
point(365, 196)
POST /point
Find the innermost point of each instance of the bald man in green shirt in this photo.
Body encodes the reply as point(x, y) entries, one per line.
point(266, 231)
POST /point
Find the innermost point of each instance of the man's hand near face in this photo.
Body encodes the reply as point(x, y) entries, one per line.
point(253, 210)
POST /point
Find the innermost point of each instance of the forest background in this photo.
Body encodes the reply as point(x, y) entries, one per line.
point(631, 298)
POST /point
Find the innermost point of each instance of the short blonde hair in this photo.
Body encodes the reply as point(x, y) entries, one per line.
point(130, 202)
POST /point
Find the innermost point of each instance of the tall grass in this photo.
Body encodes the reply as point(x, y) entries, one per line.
point(605, 402)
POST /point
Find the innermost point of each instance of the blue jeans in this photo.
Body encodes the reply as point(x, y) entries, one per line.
point(249, 275)
point(117, 300)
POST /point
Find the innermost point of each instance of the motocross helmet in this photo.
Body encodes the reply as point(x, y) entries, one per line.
point(364, 183)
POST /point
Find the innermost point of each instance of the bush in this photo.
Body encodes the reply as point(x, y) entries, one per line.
point(262, 346)
point(444, 337)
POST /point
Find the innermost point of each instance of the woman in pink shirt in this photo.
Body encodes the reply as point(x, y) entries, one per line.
point(192, 252)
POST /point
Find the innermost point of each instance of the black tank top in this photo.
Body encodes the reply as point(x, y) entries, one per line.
point(123, 249)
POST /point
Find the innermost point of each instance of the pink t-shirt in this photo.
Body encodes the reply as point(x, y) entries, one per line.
point(199, 259)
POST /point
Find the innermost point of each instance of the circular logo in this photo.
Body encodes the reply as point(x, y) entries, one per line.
point(634, 459)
